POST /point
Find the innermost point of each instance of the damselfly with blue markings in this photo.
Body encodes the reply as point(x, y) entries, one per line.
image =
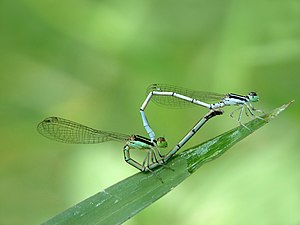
point(67, 131)
point(177, 97)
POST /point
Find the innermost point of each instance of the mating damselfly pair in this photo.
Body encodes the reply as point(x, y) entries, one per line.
point(67, 131)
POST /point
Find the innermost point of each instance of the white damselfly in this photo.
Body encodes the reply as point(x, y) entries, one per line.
point(177, 97)
point(63, 130)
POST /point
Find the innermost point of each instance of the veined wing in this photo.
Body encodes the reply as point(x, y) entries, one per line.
point(67, 131)
point(173, 102)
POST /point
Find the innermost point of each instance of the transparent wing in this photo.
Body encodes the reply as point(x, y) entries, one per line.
point(67, 131)
point(173, 102)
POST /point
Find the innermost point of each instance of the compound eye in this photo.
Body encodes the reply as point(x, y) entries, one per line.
point(162, 142)
point(253, 96)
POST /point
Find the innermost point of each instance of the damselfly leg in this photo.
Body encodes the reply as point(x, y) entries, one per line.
point(250, 112)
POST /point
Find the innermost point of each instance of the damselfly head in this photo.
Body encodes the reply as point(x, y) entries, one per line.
point(253, 97)
point(161, 142)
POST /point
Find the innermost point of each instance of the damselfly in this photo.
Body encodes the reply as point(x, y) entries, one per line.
point(177, 97)
point(67, 131)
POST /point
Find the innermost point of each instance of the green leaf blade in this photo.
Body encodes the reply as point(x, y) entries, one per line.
point(125, 199)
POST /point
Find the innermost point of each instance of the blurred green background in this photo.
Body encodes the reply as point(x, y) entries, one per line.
point(91, 62)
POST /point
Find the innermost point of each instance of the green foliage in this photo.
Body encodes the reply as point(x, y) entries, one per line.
point(123, 200)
